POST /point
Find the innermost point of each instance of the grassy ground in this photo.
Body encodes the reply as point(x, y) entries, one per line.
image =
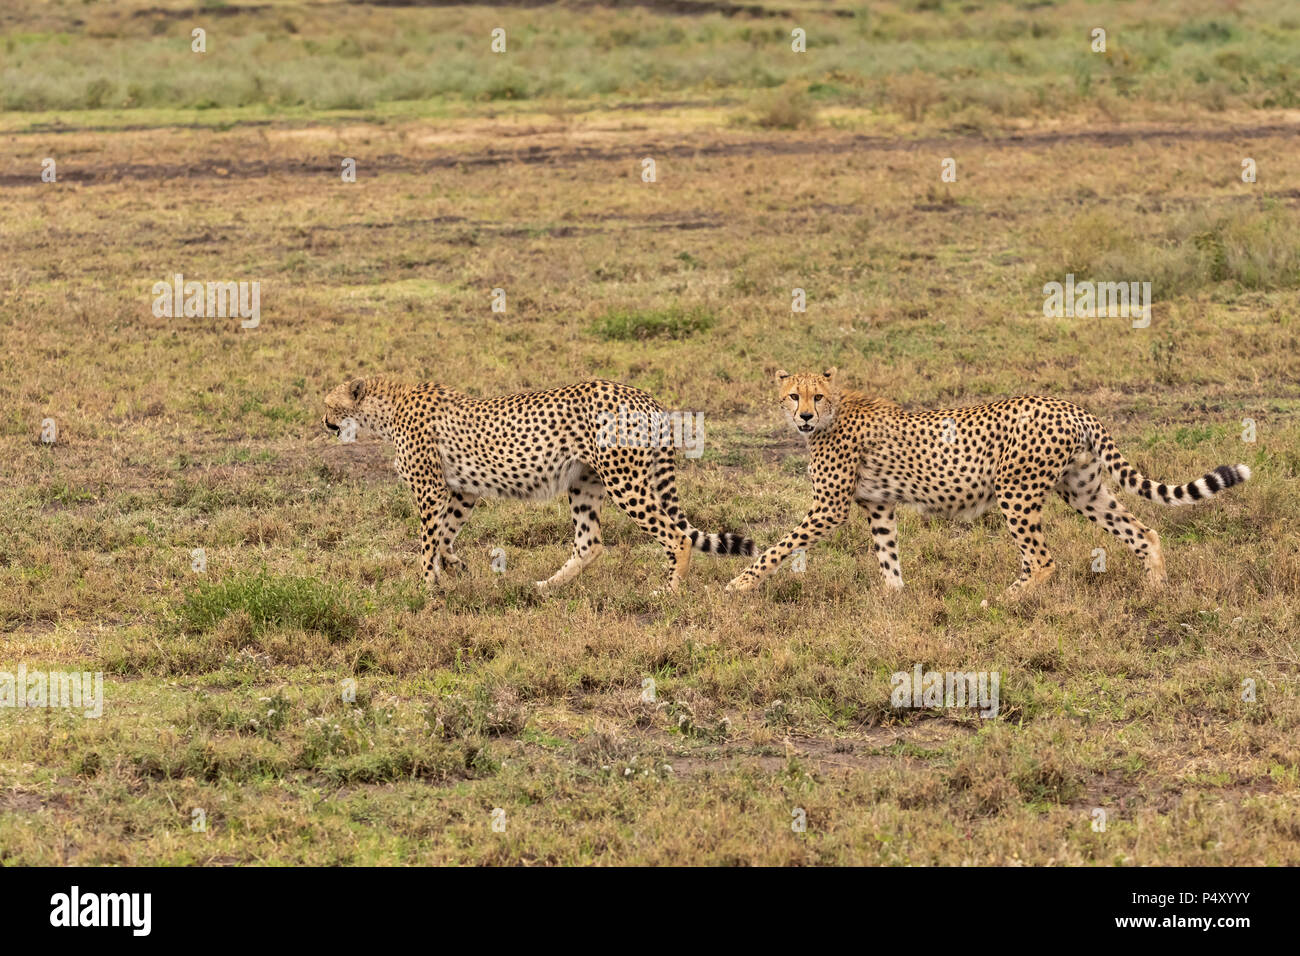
point(224, 689)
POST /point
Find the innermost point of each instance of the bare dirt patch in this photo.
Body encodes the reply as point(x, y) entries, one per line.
point(560, 156)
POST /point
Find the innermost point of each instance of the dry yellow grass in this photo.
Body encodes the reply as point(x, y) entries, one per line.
point(176, 434)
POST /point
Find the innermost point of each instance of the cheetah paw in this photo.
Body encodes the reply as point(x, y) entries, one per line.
point(742, 582)
point(1017, 592)
point(451, 562)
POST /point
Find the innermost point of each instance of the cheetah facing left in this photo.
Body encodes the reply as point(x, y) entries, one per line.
point(958, 463)
point(453, 449)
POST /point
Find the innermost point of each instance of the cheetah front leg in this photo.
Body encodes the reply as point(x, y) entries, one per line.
point(432, 501)
point(817, 524)
point(451, 517)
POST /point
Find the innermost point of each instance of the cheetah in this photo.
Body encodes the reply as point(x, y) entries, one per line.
point(958, 463)
point(453, 450)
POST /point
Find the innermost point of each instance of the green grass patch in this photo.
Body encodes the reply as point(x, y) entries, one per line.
point(272, 601)
point(631, 325)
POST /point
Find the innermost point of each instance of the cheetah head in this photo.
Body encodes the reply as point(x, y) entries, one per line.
point(808, 399)
point(344, 402)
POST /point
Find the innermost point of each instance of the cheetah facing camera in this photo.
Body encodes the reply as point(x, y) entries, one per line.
point(958, 463)
point(453, 449)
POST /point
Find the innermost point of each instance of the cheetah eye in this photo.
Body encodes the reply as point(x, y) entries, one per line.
point(818, 398)
point(793, 397)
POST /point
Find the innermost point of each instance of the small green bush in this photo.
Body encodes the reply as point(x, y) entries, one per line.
point(271, 601)
point(625, 325)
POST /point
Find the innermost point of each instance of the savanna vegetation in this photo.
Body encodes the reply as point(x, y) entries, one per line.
point(229, 689)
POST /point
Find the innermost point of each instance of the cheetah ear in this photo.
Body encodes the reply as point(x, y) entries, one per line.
point(357, 389)
point(831, 372)
point(781, 375)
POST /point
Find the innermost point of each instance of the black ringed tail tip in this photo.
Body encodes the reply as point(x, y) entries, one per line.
point(1207, 486)
point(1231, 475)
point(726, 543)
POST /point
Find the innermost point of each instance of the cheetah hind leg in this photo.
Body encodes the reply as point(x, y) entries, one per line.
point(1085, 492)
point(652, 517)
point(585, 496)
point(679, 558)
point(1026, 525)
point(884, 538)
point(1027, 584)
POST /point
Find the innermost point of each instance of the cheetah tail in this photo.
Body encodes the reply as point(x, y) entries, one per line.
point(725, 543)
point(1128, 477)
